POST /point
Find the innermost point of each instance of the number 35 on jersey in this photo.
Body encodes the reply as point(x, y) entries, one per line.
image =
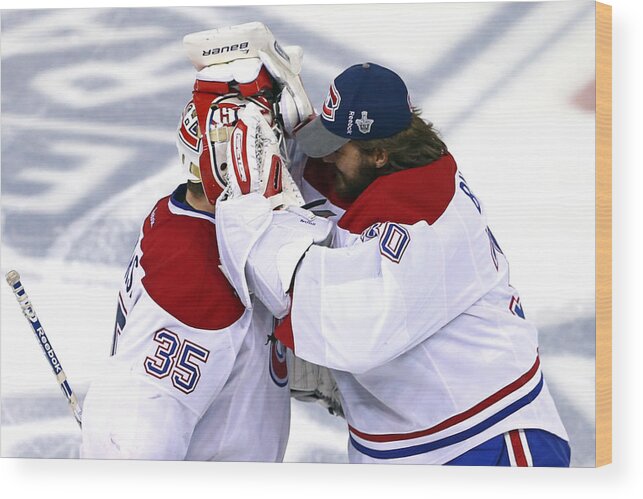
point(179, 359)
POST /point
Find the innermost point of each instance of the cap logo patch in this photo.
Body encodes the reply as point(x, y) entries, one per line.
point(331, 103)
point(364, 123)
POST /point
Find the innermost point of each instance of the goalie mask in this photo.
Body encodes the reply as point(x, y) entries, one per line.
point(214, 110)
point(188, 142)
point(244, 62)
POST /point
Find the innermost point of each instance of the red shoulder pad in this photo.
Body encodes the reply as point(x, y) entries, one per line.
point(405, 197)
point(181, 264)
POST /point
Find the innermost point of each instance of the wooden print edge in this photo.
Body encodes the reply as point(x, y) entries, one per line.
point(603, 234)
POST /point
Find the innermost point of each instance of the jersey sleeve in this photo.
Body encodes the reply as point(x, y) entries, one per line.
point(358, 307)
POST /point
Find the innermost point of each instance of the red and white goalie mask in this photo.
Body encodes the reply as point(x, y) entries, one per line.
point(208, 119)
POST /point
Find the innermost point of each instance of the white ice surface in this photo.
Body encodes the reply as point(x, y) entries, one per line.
point(508, 115)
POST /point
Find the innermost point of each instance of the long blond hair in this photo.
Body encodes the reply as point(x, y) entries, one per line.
point(418, 145)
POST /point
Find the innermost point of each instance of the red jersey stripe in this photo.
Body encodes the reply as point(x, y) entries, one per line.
point(458, 418)
point(519, 452)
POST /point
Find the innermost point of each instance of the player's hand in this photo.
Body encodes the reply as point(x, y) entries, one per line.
point(254, 43)
point(254, 161)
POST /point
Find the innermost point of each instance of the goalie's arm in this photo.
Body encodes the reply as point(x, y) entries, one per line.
point(255, 185)
point(260, 248)
point(358, 307)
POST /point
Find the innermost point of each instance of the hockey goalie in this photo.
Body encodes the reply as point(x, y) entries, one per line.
point(195, 371)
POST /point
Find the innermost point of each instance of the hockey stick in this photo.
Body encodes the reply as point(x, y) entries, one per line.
point(13, 279)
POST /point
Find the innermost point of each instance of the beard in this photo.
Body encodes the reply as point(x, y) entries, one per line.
point(349, 187)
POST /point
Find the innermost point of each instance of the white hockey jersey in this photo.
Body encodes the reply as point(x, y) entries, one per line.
point(192, 374)
point(413, 312)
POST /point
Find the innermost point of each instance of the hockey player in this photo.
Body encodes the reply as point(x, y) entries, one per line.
point(411, 307)
point(194, 374)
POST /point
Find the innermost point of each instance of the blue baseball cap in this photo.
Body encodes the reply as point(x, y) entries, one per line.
point(365, 102)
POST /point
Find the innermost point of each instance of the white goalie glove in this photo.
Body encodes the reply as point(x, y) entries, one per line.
point(256, 42)
point(259, 246)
